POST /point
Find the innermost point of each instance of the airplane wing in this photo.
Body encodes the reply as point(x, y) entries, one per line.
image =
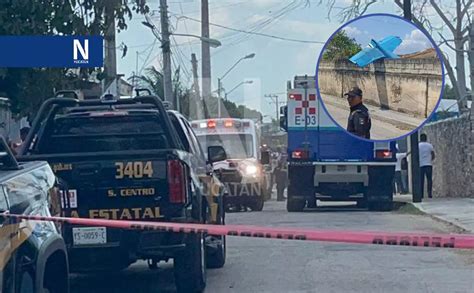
point(390, 43)
point(366, 56)
point(377, 50)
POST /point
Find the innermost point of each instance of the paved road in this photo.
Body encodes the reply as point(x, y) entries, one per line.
point(386, 124)
point(263, 265)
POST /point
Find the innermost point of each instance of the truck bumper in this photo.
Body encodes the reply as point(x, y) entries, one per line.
point(338, 181)
point(123, 248)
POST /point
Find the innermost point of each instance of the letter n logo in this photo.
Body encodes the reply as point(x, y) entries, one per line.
point(83, 50)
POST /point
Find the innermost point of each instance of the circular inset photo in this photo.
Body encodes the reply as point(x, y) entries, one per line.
point(380, 77)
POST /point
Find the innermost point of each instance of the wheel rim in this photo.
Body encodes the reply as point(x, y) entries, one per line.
point(224, 247)
point(203, 259)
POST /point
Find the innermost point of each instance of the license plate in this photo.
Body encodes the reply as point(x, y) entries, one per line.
point(89, 235)
point(341, 168)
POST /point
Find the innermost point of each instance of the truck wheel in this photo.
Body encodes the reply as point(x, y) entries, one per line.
point(217, 259)
point(380, 189)
point(385, 206)
point(372, 205)
point(56, 277)
point(216, 254)
point(295, 205)
point(257, 204)
point(190, 266)
point(362, 203)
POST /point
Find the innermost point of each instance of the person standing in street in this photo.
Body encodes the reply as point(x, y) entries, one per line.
point(398, 180)
point(427, 155)
point(404, 174)
point(359, 122)
point(281, 177)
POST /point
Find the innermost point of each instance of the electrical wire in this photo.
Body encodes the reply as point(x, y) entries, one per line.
point(257, 33)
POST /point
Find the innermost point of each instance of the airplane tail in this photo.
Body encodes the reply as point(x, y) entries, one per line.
point(386, 53)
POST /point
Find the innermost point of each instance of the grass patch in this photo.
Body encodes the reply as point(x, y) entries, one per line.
point(406, 208)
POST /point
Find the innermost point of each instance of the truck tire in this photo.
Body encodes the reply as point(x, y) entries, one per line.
point(217, 259)
point(257, 204)
point(56, 277)
point(362, 203)
point(190, 266)
point(385, 206)
point(295, 205)
point(380, 189)
point(382, 205)
point(300, 187)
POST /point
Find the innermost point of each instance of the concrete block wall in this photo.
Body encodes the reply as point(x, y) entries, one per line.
point(453, 167)
point(407, 85)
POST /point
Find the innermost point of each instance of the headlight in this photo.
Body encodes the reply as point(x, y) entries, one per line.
point(251, 170)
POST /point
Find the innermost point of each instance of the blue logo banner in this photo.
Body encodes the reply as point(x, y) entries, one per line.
point(51, 51)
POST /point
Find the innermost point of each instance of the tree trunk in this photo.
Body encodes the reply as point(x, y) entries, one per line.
point(460, 72)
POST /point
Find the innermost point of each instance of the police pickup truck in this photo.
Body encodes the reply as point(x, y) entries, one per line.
point(33, 255)
point(326, 163)
point(129, 159)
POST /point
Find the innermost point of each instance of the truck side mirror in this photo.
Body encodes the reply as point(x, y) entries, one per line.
point(265, 158)
point(216, 153)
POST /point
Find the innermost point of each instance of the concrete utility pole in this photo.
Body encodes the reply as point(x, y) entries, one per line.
point(166, 50)
point(110, 62)
point(196, 94)
point(274, 99)
point(417, 189)
point(219, 100)
point(205, 51)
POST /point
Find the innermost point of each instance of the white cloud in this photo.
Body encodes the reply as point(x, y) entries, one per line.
point(353, 31)
point(413, 42)
point(265, 3)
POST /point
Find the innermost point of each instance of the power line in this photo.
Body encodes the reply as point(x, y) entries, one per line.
point(145, 63)
point(257, 33)
point(178, 56)
point(258, 27)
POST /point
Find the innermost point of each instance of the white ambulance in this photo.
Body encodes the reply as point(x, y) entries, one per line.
point(243, 174)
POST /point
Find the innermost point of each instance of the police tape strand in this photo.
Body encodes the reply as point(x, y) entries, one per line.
point(464, 241)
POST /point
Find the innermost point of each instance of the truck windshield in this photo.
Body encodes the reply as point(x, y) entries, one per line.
point(237, 146)
point(103, 133)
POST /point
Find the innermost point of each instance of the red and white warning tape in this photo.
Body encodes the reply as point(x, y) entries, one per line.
point(465, 241)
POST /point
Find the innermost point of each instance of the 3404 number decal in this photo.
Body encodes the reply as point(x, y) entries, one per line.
point(134, 170)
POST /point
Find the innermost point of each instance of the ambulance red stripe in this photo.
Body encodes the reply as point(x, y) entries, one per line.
point(464, 241)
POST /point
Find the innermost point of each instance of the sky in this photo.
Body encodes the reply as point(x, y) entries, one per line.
point(379, 27)
point(275, 62)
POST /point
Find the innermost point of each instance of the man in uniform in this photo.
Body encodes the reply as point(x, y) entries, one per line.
point(359, 120)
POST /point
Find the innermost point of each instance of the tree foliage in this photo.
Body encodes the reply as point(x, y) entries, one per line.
point(341, 46)
point(28, 87)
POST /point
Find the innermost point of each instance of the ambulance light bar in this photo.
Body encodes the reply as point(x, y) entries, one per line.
point(228, 123)
point(211, 124)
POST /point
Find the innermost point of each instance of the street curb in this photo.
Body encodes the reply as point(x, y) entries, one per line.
point(439, 219)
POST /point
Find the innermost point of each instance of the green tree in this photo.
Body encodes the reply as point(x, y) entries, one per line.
point(29, 87)
point(152, 80)
point(340, 47)
point(449, 92)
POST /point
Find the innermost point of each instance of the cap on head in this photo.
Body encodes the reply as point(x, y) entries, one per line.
point(354, 92)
